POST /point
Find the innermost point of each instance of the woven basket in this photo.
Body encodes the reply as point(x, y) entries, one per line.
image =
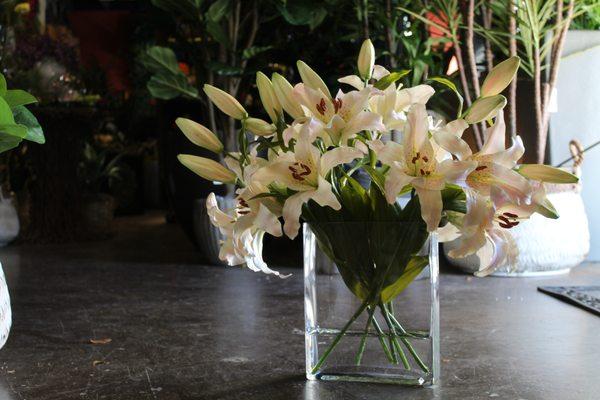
point(5, 312)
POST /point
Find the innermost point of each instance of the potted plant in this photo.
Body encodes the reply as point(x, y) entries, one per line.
point(16, 124)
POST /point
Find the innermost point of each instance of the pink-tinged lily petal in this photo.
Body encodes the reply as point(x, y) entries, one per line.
point(488, 175)
point(456, 171)
point(418, 129)
point(505, 252)
point(267, 221)
point(419, 94)
point(495, 140)
point(363, 121)
point(292, 209)
point(453, 144)
point(395, 181)
point(228, 253)
point(379, 72)
point(306, 153)
point(315, 101)
point(509, 157)
point(431, 207)
point(354, 81)
point(387, 153)
point(256, 263)
point(216, 216)
point(324, 195)
point(447, 233)
point(337, 156)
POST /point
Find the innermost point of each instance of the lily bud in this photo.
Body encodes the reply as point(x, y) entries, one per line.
point(225, 102)
point(199, 135)
point(500, 77)
point(207, 168)
point(546, 173)
point(268, 97)
point(260, 127)
point(366, 59)
point(283, 92)
point(484, 108)
point(312, 79)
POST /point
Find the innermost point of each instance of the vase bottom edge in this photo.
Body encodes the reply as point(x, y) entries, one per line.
point(373, 375)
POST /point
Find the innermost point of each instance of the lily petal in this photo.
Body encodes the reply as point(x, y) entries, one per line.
point(431, 207)
point(337, 156)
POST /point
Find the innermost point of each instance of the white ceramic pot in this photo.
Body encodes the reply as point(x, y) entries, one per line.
point(9, 220)
point(5, 312)
point(546, 246)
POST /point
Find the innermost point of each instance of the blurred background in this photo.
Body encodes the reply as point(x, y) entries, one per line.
point(111, 77)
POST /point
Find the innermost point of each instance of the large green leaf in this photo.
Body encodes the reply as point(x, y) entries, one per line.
point(18, 97)
point(217, 32)
point(218, 10)
point(25, 118)
point(412, 270)
point(2, 85)
point(169, 86)
point(6, 114)
point(450, 85)
point(302, 12)
point(158, 59)
point(8, 142)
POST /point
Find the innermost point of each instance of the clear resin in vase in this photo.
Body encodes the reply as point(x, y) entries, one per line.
point(373, 321)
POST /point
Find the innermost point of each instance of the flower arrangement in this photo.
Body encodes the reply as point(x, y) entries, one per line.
point(302, 166)
point(308, 162)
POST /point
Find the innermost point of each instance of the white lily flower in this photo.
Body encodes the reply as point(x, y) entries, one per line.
point(244, 233)
point(207, 168)
point(225, 102)
point(200, 135)
point(305, 171)
point(495, 163)
point(479, 228)
point(394, 102)
point(342, 117)
point(358, 83)
point(267, 96)
point(415, 163)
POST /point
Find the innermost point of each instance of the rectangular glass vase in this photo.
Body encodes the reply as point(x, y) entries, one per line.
point(359, 355)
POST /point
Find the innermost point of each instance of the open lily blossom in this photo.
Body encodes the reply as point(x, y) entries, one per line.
point(302, 166)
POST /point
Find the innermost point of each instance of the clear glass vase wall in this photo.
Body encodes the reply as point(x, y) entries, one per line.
point(405, 354)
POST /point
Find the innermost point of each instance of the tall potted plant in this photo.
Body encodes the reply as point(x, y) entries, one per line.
point(16, 124)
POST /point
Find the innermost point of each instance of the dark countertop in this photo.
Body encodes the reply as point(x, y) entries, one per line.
point(180, 330)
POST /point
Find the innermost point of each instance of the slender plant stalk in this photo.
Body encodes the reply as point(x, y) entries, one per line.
point(470, 44)
point(512, 91)
point(408, 345)
point(380, 336)
point(363, 339)
point(486, 12)
point(339, 336)
point(393, 337)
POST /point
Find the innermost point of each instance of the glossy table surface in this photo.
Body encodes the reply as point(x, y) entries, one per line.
point(137, 317)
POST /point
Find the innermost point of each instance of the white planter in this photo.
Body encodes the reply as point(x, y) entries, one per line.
point(9, 220)
point(546, 246)
point(5, 312)
point(577, 117)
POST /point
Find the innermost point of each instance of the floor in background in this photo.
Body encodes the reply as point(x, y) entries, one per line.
point(137, 317)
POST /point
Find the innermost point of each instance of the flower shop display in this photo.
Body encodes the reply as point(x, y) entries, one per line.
point(300, 167)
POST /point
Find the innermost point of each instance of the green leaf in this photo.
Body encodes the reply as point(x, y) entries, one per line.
point(18, 97)
point(168, 87)
point(412, 270)
point(376, 176)
point(387, 80)
point(449, 84)
point(160, 59)
point(484, 108)
point(25, 118)
point(217, 32)
point(254, 51)
point(224, 69)
point(8, 142)
point(217, 10)
point(6, 114)
point(454, 199)
point(303, 13)
point(18, 131)
point(2, 85)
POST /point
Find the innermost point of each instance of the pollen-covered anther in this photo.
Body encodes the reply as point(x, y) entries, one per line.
point(299, 171)
point(321, 107)
point(337, 104)
point(480, 168)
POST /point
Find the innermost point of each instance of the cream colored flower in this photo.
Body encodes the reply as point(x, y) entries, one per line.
point(225, 102)
point(200, 135)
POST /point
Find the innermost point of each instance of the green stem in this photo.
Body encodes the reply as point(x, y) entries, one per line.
point(363, 339)
point(408, 345)
point(339, 336)
point(380, 336)
point(393, 339)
